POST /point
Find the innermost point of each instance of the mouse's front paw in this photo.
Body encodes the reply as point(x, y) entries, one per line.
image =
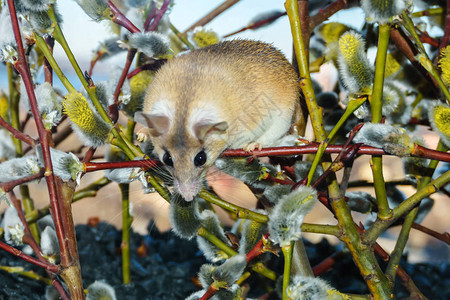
point(142, 135)
point(252, 146)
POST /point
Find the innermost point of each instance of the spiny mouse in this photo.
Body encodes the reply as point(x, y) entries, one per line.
point(234, 94)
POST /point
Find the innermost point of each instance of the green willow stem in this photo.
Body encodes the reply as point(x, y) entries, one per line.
point(162, 191)
point(376, 105)
point(287, 252)
point(40, 42)
point(351, 107)
point(362, 253)
point(258, 267)
point(239, 212)
point(181, 37)
point(428, 12)
point(396, 255)
point(14, 98)
point(402, 209)
point(126, 227)
point(428, 65)
point(323, 229)
point(29, 274)
point(89, 191)
point(423, 59)
point(28, 206)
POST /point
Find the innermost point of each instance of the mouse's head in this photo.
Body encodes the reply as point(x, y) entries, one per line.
point(188, 145)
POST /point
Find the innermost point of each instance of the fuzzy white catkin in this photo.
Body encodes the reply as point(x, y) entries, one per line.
point(287, 215)
point(231, 270)
point(6, 30)
point(13, 227)
point(310, 288)
point(32, 5)
point(184, 217)
point(152, 44)
point(49, 242)
point(7, 148)
point(94, 8)
point(17, 168)
point(211, 222)
point(382, 11)
point(392, 139)
point(100, 291)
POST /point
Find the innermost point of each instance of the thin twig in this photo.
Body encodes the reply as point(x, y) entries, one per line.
point(98, 166)
point(212, 14)
point(10, 185)
point(17, 134)
point(45, 265)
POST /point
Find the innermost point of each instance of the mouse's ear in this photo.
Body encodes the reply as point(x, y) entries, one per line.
point(158, 124)
point(204, 127)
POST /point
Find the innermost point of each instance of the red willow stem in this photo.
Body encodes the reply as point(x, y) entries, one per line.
point(119, 18)
point(212, 290)
point(89, 154)
point(130, 56)
point(17, 134)
point(155, 65)
point(48, 70)
point(158, 17)
point(258, 249)
point(444, 237)
point(44, 136)
point(151, 14)
point(212, 14)
point(419, 151)
point(59, 287)
point(323, 14)
point(427, 39)
point(10, 185)
point(327, 263)
point(280, 181)
point(97, 166)
point(47, 266)
point(28, 237)
point(258, 24)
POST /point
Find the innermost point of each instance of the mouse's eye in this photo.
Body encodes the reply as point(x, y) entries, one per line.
point(167, 159)
point(200, 159)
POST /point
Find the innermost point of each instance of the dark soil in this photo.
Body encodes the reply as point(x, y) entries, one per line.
point(167, 270)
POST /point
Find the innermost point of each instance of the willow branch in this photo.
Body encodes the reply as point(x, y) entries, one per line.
point(212, 14)
point(45, 265)
point(17, 134)
point(44, 136)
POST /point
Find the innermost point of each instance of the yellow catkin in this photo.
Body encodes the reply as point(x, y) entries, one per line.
point(139, 83)
point(444, 64)
point(4, 106)
point(441, 119)
point(204, 37)
point(78, 110)
point(355, 67)
point(331, 32)
point(392, 65)
point(349, 44)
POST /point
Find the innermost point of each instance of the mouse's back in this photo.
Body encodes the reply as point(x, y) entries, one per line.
point(231, 94)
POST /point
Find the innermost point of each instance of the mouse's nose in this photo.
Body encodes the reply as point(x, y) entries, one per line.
point(187, 190)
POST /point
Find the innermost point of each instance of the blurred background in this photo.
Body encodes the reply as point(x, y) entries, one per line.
point(84, 36)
